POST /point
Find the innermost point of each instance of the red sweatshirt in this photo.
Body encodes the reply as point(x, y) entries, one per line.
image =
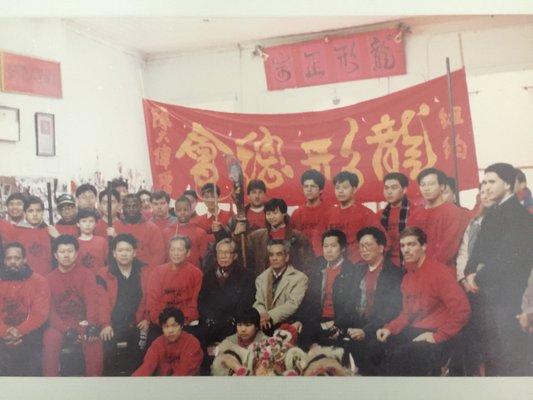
point(6, 231)
point(38, 245)
point(200, 240)
point(68, 229)
point(205, 222)
point(309, 221)
point(256, 219)
point(444, 226)
point(179, 287)
point(74, 298)
point(24, 304)
point(180, 358)
point(150, 242)
point(350, 220)
point(93, 253)
point(432, 300)
point(101, 227)
point(164, 223)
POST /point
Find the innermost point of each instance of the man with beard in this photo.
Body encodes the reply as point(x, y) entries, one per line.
point(24, 307)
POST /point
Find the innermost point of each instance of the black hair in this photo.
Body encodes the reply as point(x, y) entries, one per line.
point(171, 312)
point(118, 182)
point(131, 196)
point(32, 200)
point(285, 243)
point(85, 188)
point(315, 176)
point(15, 245)
point(340, 235)
point(123, 237)
point(86, 213)
point(183, 199)
point(248, 316)
point(161, 194)
point(256, 184)
point(346, 176)
point(144, 191)
point(397, 176)
point(272, 204)
point(16, 196)
point(451, 183)
point(378, 234)
point(415, 231)
point(114, 193)
point(185, 239)
point(65, 239)
point(506, 172)
point(520, 177)
point(210, 187)
point(441, 176)
point(190, 192)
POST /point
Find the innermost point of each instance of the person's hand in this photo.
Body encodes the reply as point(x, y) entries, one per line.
point(52, 231)
point(471, 281)
point(356, 334)
point(466, 286)
point(523, 321)
point(425, 337)
point(265, 321)
point(143, 325)
point(111, 231)
point(240, 227)
point(106, 333)
point(12, 338)
point(298, 326)
point(216, 226)
point(383, 334)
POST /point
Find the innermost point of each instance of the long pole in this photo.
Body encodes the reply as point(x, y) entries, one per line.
point(109, 220)
point(453, 134)
point(50, 205)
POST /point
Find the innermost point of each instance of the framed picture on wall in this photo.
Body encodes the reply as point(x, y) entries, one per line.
point(45, 134)
point(9, 124)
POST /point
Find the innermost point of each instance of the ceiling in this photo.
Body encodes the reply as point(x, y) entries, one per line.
point(152, 36)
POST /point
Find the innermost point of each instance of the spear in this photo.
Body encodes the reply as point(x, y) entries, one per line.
point(50, 205)
point(237, 177)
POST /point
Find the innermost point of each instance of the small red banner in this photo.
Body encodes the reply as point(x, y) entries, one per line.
point(28, 75)
point(345, 58)
point(405, 131)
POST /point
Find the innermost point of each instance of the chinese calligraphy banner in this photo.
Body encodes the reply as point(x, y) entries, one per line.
point(405, 131)
point(345, 58)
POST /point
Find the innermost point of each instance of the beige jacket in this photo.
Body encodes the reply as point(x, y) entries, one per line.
point(288, 296)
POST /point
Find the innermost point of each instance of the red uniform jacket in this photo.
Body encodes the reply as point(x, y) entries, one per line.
point(6, 231)
point(68, 229)
point(180, 358)
point(169, 287)
point(310, 222)
point(200, 240)
point(38, 245)
point(205, 222)
point(432, 300)
point(74, 298)
point(24, 304)
point(256, 220)
point(93, 253)
point(150, 242)
point(164, 223)
point(444, 226)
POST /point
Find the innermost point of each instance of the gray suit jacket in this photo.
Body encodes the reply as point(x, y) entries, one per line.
point(288, 295)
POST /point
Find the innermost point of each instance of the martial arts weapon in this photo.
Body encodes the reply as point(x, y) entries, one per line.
point(50, 205)
point(237, 177)
point(109, 221)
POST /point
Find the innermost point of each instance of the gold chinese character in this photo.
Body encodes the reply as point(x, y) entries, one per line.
point(460, 147)
point(347, 151)
point(445, 117)
point(160, 118)
point(203, 147)
point(164, 180)
point(262, 158)
point(162, 155)
point(317, 155)
point(386, 157)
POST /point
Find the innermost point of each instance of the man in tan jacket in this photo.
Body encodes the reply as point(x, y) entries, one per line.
point(280, 288)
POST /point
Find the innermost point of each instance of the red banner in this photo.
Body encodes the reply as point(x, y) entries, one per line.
point(345, 58)
point(405, 131)
point(21, 74)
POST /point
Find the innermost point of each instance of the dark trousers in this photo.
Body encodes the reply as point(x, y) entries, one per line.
point(122, 354)
point(24, 359)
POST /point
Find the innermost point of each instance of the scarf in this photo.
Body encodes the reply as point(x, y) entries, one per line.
point(404, 212)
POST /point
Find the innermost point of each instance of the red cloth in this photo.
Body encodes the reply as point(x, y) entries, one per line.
point(256, 220)
point(24, 304)
point(38, 245)
point(278, 234)
point(331, 275)
point(101, 227)
point(6, 230)
point(164, 223)
point(110, 296)
point(70, 229)
point(350, 220)
point(309, 221)
point(150, 242)
point(74, 298)
point(179, 287)
point(205, 223)
point(180, 358)
point(444, 226)
point(432, 300)
point(199, 238)
point(371, 282)
point(93, 253)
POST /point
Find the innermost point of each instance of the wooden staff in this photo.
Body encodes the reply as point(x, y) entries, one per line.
point(50, 205)
point(109, 220)
point(237, 177)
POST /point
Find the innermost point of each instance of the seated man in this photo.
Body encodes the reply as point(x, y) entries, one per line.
point(435, 309)
point(175, 353)
point(227, 290)
point(280, 289)
point(24, 307)
point(124, 317)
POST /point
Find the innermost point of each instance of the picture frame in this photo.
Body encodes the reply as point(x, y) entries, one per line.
point(9, 124)
point(45, 136)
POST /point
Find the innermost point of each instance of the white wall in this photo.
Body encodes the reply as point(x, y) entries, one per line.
point(99, 120)
point(497, 54)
